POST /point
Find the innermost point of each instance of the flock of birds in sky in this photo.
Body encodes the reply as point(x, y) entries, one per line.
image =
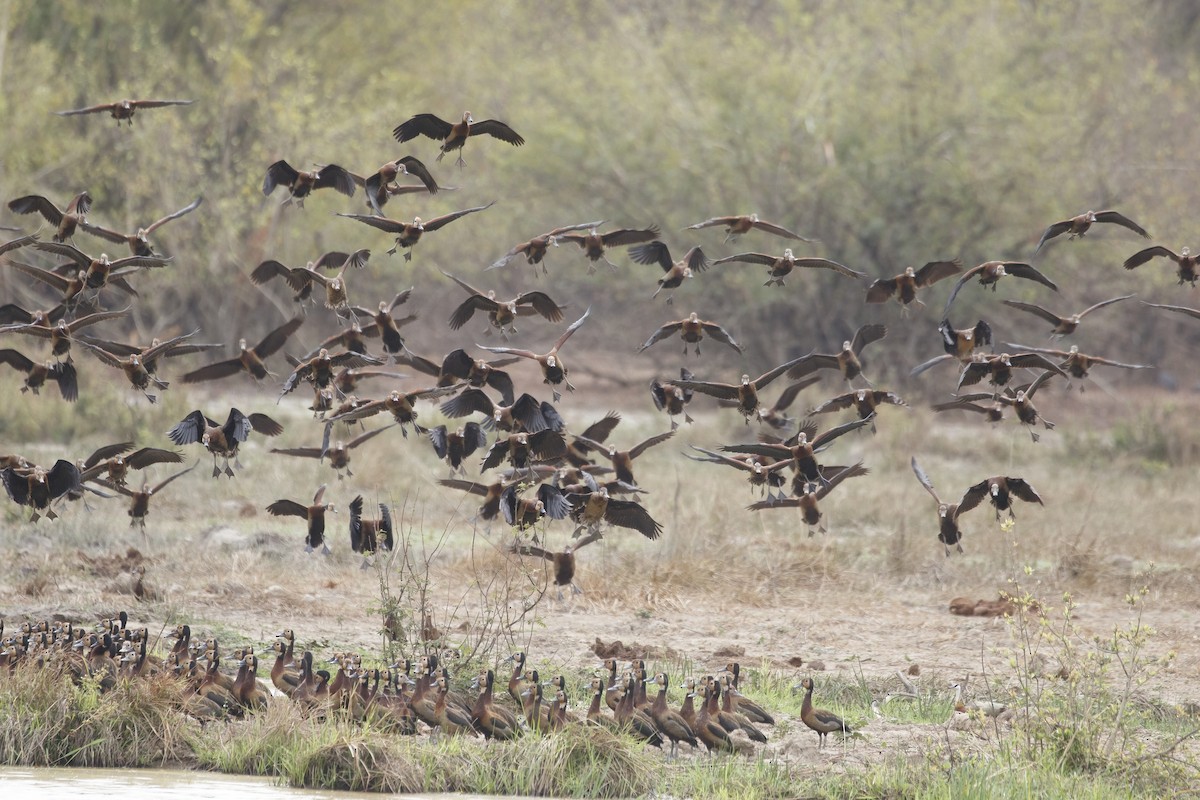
point(549, 471)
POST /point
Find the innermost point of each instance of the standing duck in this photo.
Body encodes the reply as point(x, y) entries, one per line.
point(822, 721)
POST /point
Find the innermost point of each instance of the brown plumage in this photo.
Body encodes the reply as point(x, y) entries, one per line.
point(521, 449)
point(337, 295)
point(494, 721)
point(739, 224)
point(779, 267)
point(591, 508)
point(314, 514)
point(670, 722)
point(320, 368)
point(62, 333)
point(138, 241)
point(64, 222)
point(998, 369)
point(222, 440)
point(536, 248)
point(622, 460)
point(457, 367)
point(409, 233)
point(595, 244)
point(692, 331)
point(101, 272)
point(522, 512)
point(502, 314)
point(563, 561)
point(1063, 326)
point(37, 487)
point(865, 403)
point(999, 491)
point(113, 462)
point(990, 273)
point(846, 361)
point(905, 285)
point(454, 447)
point(763, 472)
point(822, 721)
point(948, 531)
point(387, 327)
point(454, 135)
point(69, 288)
point(300, 279)
point(139, 501)
point(370, 535)
point(301, 184)
point(554, 371)
point(524, 414)
point(744, 393)
point(808, 499)
point(674, 272)
point(672, 399)
point(1190, 312)
point(123, 110)
point(338, 452)
point(959, 343)
point(378, 186)
point(36, 374)
point(251, 358)
point(1185, 262)
point(398, 404)
point(134, 365)
point(1079, 225)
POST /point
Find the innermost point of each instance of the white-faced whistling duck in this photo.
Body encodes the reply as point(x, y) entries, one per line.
point(62, 333)
point(134, 365)
point(670, 398)
point(630, 717)
point(409, 233)
point(179, 346)
point(692, 331)
point(729, 718)
point(563, 562)
point(387, 327)
point(594, 244)
point(522, 513)
point(822, 721)
point(36, 486)
point(300, 279)
point(990, 273)
point(454, 447)
point(378, 186)
point(742, 703)
point(338, 452)
point(993, 411)
point(13, 314)
point(948, 531)
point(139, 242)
point(800, 449)
point(591, 508)
point(494, 721)
point(524, 414)
point(453, 135)
point(744, 393)
point(337, 295)
point(1191, 312)
point(846, 361)
point(314, 514)
point(246, 689)
point(808, 499)
point(369, 536)
point(674, 272)
point(905, 285)
point(1063, 326)
point(779, 267)
point(452, 720)
point(8, 247)
point(301, 184)
point(999, 490)
point(622, 460)
point(490, 508)
point(517, 659)
point(139, 505)
point(283, 679)
point(398, 404)
point(64, 222)
point(250, 359)
point(113, 462)
point(670, 723)
point(998, 369)
point(738, 224)
point(554, 371)
point(458, 366)
point(864, 401)
point(1079, 225)
point(536, 248)
point(708, 729)
point(1184, 261)
point(763, 472)
point(222, 440)
point(320, 368)
point(1077, 364)
point(502, 314)
point(36, 375)
point(775, 416)
point(68, 287)
point(123, 110)
point(959, 343)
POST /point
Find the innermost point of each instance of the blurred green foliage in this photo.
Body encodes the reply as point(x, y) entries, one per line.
point(895, 132)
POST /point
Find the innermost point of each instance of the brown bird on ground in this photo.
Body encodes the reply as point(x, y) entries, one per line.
point(300, 279)
point(398, 404)
point(314, 514)
point(522, 513)
point(594, 244)
point(139, 505)
point(998, 369)
point(672, 399)
point(669, 721)
point(739, 224)
point(905, 285)
point(563, 562)
point(692, 331)
point(744, 393)
point(409, 233)
point(64, 222)
point(1077, 364)
point(123, 110)
point(36, 486)
point(368, 536)
point(301, 184)
point(1079, 225)
point(591, 508)
point(454, 135)
point(1184, 261)
point(763, 472)
point(865, 402)
point(139, 242)
point(990, 273)
point(100, 272)
point(337, 452)
point(386, 326)
point(493, 721)
point(807, 500)
point(847, 361)
point(222, 440)
point(948, 531)
point(113, 461)
point(62, 333)
point(502, 314)
point(1063, 326)
point(822, 721)
point(779, 267)
point(36, 375)
point(622, 460)
point(455, 447)
point(251, 359)
point(675, 272)
point(378, 186)
point(1000, 492)
point(536, 248)
point(134, 365)
point(554, 371)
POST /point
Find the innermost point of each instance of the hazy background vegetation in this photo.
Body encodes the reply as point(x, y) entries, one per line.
point(896, 133)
